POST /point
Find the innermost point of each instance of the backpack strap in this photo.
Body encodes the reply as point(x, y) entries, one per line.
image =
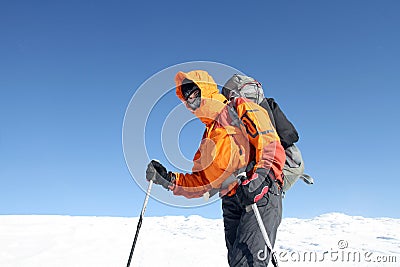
point(236, 121)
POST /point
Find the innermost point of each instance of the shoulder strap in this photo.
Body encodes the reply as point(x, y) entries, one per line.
point(236, 121)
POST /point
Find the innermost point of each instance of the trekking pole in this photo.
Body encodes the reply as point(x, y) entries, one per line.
point(265, 234)
point(140, 222)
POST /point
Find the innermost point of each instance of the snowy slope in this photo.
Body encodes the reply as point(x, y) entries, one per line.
point(193, 241)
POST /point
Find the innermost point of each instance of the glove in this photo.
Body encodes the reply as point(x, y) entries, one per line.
point(252, 190)
point(157, 173)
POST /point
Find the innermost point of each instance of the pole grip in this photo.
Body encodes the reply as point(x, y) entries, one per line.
point(146, 198)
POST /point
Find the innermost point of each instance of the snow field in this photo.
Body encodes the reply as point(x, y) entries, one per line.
point(329, 239)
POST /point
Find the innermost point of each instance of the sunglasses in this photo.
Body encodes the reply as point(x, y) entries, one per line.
point(192, 97)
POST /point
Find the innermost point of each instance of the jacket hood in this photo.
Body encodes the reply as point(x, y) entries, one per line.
point(212, 102)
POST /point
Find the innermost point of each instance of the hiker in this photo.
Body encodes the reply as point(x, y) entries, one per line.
point(249, 151)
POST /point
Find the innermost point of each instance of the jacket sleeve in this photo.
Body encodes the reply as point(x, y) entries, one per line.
point(269, 153)
point(216, 159)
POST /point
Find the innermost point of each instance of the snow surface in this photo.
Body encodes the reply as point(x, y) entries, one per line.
point(37, 240)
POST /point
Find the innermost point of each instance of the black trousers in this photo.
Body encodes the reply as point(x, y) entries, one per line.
point(244, 240)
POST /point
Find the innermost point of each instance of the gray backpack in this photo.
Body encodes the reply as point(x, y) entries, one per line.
point(243, 86)
point(248, 87)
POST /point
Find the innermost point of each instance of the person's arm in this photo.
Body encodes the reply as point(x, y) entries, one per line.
point(216, 159)
point(270, 155)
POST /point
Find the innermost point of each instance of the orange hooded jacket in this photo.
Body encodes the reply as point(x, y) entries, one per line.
point(224, 148)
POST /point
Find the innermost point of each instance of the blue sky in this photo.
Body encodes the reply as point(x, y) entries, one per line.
point(68, 70)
